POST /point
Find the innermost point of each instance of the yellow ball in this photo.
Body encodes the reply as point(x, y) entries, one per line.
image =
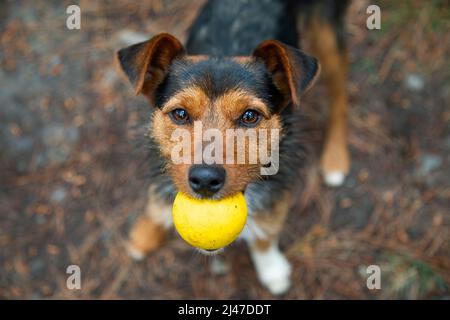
point(209, 224)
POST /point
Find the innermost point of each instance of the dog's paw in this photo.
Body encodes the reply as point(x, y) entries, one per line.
point(277, 279)
point(335, 162)
point(273, 269)
point(334, 178)
point(135, 253)
point(145, 237)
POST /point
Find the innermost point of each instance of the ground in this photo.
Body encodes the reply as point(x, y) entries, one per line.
point(73, 171)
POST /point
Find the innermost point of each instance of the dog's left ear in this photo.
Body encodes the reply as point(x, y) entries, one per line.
point(292, 71)
point(146, 64)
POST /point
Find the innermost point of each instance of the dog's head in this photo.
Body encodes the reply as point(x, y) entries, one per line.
point(204, 105)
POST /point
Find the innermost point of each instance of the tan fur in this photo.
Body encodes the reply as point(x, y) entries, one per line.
point(271, 222)
point(261, 244)
point(335, 156)
point(157, 209)
point(146, 235)
point(149, 231)
point(235, 102)
point(222, 114)
point(192, 99)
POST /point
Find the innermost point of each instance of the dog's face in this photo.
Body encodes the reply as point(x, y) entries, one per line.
point(194, 94)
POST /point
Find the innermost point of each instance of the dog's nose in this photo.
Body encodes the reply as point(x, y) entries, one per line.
point(206, 179)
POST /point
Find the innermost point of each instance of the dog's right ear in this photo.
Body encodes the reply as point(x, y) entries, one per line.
point(292, 70)
point(146, 64)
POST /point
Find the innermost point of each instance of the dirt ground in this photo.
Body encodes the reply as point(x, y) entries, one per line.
point(73, 171)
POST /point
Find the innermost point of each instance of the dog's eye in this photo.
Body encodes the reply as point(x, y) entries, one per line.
point(179, 116)
point(250, 118)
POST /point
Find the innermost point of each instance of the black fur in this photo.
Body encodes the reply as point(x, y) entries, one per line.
point(216, 76)
point(233, 28)
point(129, 54)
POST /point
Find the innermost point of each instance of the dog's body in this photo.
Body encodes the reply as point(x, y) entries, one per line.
point(216, 84)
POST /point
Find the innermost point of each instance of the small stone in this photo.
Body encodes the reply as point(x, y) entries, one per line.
point(37, 267)
point(59, 142)
point(346, 203)
point(363, 175)
point(53, 249)
point(429, 162)
point(58, 195)
point(58, 135)
point(414, 82)
point(40, 220)
point(447, 143)
point(219, 266)
point(129, 37)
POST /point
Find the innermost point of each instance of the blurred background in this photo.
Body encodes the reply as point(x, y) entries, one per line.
point(73, 177)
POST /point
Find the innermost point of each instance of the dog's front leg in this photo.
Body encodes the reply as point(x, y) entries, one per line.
point(272, 267)
point(149, 231)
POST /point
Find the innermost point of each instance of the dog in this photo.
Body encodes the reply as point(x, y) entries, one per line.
point(241, 68)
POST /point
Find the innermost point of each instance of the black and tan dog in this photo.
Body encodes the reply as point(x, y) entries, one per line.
point(241, 69)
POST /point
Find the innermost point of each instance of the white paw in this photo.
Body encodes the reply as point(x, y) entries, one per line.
point(273, 269)
point(278, 281)
point(334, 178)
point(135, 253)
